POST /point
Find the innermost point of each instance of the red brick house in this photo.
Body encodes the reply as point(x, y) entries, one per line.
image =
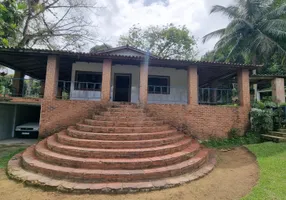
point(97, 145)
point(192, 92)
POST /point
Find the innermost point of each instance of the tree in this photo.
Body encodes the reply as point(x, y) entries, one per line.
point(257, 29)
point(56, 24)
point(11, 16)
point(167, 41)
point(101, 47)
point(222, 56)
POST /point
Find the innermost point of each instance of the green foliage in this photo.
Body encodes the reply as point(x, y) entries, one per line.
point(221, 55)
point(265, 117)
point(249, 138)
point(5, 85)
point(257, 30)
point(56, 24)
point(167, 41)
point(261, 120)
point(233, 133)
point(65, 96)
point(4, 159)
point(11, 17)
point(32, 88)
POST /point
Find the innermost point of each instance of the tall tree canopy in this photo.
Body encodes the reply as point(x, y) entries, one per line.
point(257, 29)
point(167, 41)
point(100, 48)
point(56, 24)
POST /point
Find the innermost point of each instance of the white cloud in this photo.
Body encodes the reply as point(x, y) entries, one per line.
point(119, 15)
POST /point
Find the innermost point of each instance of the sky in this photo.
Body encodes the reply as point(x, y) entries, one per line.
point(117, 16)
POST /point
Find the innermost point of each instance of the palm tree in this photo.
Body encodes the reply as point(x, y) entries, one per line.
point(257, 29)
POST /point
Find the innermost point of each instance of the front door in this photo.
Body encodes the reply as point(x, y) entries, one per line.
point(122, 87)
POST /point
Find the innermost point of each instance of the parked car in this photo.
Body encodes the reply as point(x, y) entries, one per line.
point(28, 130)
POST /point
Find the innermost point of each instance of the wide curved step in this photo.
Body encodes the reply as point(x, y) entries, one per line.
point(31, 163)
point(16, 171)
point(122, 124)
point(121, 150)
point(63, 138)
point(54, 145)
point(73, 132)
point(45, 154)
point(103, 129)
point(123, 118)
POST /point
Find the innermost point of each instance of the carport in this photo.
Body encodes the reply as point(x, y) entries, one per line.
point(15, 113)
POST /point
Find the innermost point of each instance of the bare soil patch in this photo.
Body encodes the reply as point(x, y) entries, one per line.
point(234, 176)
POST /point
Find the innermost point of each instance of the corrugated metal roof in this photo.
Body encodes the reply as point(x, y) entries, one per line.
point(87, 54)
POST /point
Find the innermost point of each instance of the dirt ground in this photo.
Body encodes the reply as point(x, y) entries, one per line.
point(234, 176)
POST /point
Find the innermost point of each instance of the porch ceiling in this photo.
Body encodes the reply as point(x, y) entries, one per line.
point(210, 74)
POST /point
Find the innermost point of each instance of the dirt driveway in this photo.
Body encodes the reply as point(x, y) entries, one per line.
point(236, 173)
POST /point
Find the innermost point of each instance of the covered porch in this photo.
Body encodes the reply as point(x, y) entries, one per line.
point(136, 79)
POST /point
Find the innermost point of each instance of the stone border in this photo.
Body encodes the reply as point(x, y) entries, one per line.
point(15, 171)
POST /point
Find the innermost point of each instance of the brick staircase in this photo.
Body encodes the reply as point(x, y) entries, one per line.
point(122, 150)
point(276, 136)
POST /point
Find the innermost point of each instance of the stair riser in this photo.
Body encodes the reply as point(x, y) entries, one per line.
point(279, 135)
point(118, 145)
point(46, 157)
point(138, 110)
point(123, 114)
point(87, 176)
point(119, 137)
point(123, 119)
point(123, 124)
point(119, 154)
point(102, 129)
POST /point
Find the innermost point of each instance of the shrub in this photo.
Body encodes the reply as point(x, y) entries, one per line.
point(233, 133)
point(261, 120)
point(266, 117)
point(248, 138)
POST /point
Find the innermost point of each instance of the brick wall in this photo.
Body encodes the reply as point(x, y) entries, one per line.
point(203, 122)
point(199, 121)
point(57, 115)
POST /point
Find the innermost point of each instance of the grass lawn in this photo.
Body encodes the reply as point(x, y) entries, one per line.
point(7, 152)
point(271, 158)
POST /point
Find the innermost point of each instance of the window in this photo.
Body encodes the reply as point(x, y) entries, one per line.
point(159, 84)
point(90, 81)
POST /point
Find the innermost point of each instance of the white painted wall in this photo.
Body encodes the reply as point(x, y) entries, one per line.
point(178, 83)
point(84, 95)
